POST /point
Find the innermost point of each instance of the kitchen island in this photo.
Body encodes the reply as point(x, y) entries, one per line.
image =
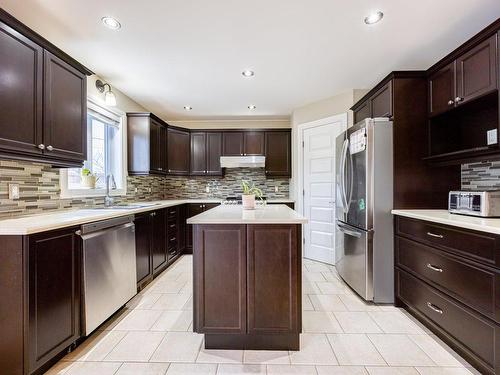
point(247, 277)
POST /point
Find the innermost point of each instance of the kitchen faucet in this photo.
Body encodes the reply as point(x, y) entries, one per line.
point(108, 201)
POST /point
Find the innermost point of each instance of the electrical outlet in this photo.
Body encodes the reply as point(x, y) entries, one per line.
point(207, 189)
point(13, 191)
point(136, 190)
point(492, 137)
point(276, 189)
point(149, 190)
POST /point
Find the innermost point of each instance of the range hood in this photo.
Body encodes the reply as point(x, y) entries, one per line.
point(242, 161)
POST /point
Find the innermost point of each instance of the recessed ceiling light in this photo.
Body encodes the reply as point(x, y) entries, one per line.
point(188, 107)
point(248, 73)
point(252, 106)
point(374, 18)
point(111, 23)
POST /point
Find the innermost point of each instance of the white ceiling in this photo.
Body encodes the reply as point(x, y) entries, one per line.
point(171, 53)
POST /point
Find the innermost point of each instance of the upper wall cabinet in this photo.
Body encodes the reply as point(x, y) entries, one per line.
point(43, 100)
point(442, 89)
point(278, 154)
point(206, 150)
point(378, 104)
point(248, 143)
point(147, 144)
point(178, 151)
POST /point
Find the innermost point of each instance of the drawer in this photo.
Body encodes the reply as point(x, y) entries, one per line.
point(171, 212)
point(472, 285)
point(481, 246)
point(477, 334)
point(172, 239)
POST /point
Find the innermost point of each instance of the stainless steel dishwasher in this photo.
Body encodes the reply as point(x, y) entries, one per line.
point(109, 269)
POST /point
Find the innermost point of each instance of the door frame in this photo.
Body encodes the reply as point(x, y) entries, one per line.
point(343, 118)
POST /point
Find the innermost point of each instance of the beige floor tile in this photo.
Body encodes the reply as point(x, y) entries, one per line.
point(143, 369)
point(391, 371)
point(96, 347)
point(114, 320)
point(173, 320)
point(355, 303)
point(357, 322)
point(313, 276)
point(341, 370)
point(438, 351)
point(310, 287)
point(317, 267)
point(178, 347)
point(328, 302)
point(447, 371)
point(59, 368)
point(138, 320)
point(136, 346)
point(320, 322)
point(241, 369)
point(399, 350)
point(314, 350)
point(171, 302)
point(331, 287)
point(395, 322)
point(188, 306)
point(192, 369)
point(330, 276)
point(93, 368)
point(219, 356)
point(355, 349)
point(291, 370)
point(306, 303)
point(143, 301)
point(168, 287)
point(266, 357)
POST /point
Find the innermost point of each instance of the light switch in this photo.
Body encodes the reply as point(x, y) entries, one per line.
point(13, 191)
point(492, 137)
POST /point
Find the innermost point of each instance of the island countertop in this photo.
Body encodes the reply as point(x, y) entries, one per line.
point(266, 214)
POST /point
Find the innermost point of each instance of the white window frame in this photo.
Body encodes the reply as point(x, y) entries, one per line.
point(98, 106)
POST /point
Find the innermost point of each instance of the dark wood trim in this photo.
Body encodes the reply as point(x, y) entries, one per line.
point(253, 342)
point(147, 114)
point(17, 25)
point(58, 163)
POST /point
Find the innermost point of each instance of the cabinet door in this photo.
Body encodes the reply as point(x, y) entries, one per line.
point(163, 149)
point(214, 152)
point(178, 152)
point(278, 154)
point(143, 235)
point(154, 146)
point(362, 112)
point(220, 279)
point(233, 144)
point(181, 227)
point(159, 240)
point(254, 143)
point(381, 101)
point(192, 210)
point(65, 110)
point(442, 90)
point(276, 271)
point(21, 94)
point(198, 153)
point(477, 71)
point(53, 294)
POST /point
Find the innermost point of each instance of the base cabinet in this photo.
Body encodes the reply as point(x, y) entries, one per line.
point(193, 209)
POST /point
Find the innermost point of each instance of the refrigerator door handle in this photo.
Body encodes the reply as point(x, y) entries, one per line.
point(343, 160)
point(351, 181)
point(349, 232)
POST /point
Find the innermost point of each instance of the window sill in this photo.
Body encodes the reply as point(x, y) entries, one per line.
point(91, 193)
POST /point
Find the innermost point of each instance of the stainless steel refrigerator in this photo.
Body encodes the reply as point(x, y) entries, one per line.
point(364, 222)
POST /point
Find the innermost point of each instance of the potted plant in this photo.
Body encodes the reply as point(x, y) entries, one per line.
point(249, 194)
point(87, 179)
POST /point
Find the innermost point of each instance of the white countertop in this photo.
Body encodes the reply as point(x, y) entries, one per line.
point(267, 214)
point(444, 217)
point(60, 219)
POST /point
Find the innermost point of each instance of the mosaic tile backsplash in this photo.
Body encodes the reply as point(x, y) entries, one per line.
point(40, 191)
point(481, 176)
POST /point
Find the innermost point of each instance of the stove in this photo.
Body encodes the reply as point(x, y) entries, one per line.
point(230, 201)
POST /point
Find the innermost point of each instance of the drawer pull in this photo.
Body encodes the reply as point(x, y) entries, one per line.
point(434, 268)
point(434, 308)
point(173, 239)
point(172, 225)
point(435, 235)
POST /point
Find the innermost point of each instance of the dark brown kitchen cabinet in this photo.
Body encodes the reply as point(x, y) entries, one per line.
point(254, 143)
point(159, 240)
point(278, 154)
point(181, 228)
point(362, 111)
point(43, 103)
point(143, 238)
point(147, 144)
point(193, 209)
point(244, 143)
point(178, 151)
point(381, 102)
point(64, 110)
point(442, 89)
point(206, 150)
point(233, 144)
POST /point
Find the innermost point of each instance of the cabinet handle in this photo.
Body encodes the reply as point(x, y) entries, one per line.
point(173, 239)
point(169, 170)
point(434, 268)
point(204, 206)
point(160, 169)
point(434, 308)
point(41, 146)
point(172, 212)
point(459, 99)
point(241, 154)
point(172, 225)
point(451, 102)
point(50, 148)
point(153, 214)
point(201, 206)
point(435, 235)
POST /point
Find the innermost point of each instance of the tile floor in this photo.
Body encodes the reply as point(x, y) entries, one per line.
point(342, 335)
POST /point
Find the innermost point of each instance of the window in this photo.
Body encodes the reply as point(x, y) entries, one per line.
point(105, 155)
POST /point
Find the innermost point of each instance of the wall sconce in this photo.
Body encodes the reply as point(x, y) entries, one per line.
point(109, 96)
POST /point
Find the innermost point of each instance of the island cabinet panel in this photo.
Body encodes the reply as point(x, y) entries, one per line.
point(178, 151)
point(273, 279)
point(53, 295)
point(220, 276)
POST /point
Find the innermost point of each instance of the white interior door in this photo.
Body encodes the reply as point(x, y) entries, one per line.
point(319, 191)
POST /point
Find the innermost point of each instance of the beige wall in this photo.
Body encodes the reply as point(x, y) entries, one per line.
point(334, 105)
point(233, 124)
point(123, 102)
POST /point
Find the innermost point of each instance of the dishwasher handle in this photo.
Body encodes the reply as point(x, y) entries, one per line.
point(87, 236)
